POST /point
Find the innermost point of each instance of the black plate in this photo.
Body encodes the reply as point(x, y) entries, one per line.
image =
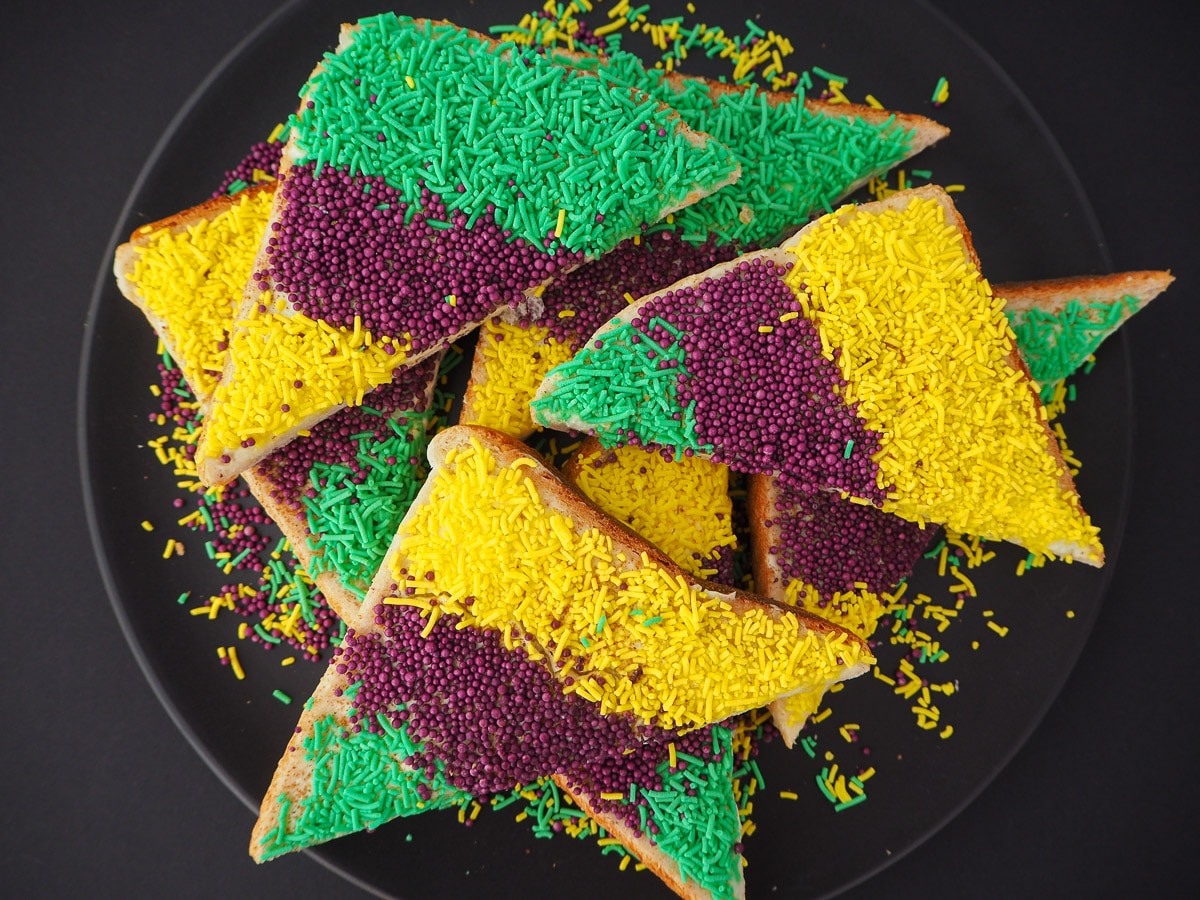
point(1030, 220)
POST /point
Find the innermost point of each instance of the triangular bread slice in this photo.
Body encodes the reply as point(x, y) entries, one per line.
point(185, 274)
point(1060, 322)
point(432, 178)
point(1057, 324)
point(798, 156)
point(903, 368)
point(636, 629)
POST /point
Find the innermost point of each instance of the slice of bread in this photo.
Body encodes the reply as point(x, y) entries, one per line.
point(1060, 322)
point(287, 371)
point(455, 530)
point(1034, 504)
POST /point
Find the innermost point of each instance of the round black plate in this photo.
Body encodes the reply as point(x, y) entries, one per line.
point(1029, 219)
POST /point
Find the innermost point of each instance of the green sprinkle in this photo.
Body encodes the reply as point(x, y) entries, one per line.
point(183, 598)
point(829, 76)
point(281, 697)
point(849, 448)
point(853, 801)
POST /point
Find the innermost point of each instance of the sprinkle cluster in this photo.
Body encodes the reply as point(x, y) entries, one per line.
point(349, 247)
point(258, 166)
point(192, 282)
point(837, 546)
point(801, 160)
point(1055, 344)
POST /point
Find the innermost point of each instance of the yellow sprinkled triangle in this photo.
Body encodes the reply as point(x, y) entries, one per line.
point(931, 366)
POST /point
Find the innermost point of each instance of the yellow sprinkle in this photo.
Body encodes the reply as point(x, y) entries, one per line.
point(974, 645)
point(629, 298)
point(235, 663)
point(147, 526)
point(612, 795)
point(562, 219)
point(765, 329)
point(873, 103)
point(788, 795)
point(954, 188)
point(169, 550)
point(788, 316)
point(221, 652)
point(275, 132)
point(409, 81)
point(1001, 630)
point(566, 313)
point(287, 661)
point(1070, 613)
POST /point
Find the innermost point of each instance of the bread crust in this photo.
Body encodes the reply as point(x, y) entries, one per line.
point(1052, 295)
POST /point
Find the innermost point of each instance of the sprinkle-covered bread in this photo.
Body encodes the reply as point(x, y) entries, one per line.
point(681, 506)
point(497, 539)
point(1060, 322)
point(837, 558)
point(797, 156)
point(336, 493)
point(432, 178)
point(866, 355)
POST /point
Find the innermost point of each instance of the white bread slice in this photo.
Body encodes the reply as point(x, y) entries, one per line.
point(1059, 322)
point(220, 458)
point(1060, 496)
point(485, 447)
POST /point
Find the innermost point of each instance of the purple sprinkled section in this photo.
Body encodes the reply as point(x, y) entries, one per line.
point(332, 441)
point(723, 563)
point(348, 245)
point(596, 292)
point(766, 402)
point(832, 543)
point(492, 716)
point(263, 156)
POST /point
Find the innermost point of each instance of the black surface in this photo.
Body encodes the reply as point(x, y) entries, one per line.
point(102, 794)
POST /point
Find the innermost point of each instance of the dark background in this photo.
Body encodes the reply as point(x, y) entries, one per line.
point(101, 795)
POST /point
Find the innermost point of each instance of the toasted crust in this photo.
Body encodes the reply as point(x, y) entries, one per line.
point(1053, 295)
point(646, 850)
